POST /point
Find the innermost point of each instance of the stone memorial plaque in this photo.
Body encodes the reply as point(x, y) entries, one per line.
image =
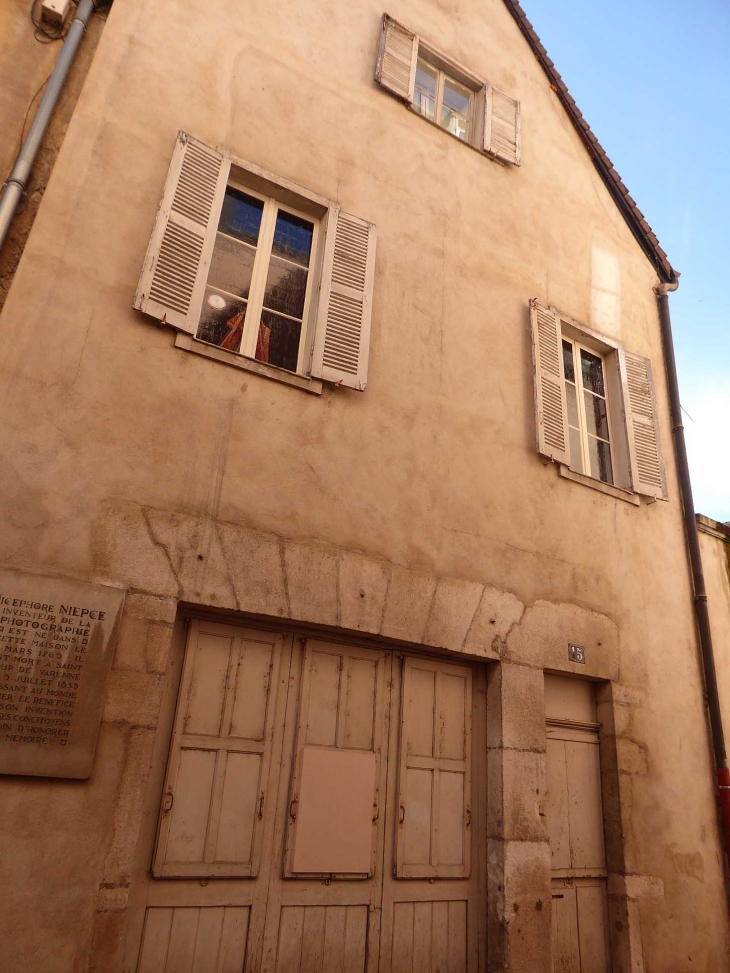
point(56, 647)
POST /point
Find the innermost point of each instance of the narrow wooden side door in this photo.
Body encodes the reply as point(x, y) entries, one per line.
point(430, 921)
point(326, 883)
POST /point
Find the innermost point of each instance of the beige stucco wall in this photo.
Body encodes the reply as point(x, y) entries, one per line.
point(134, 463)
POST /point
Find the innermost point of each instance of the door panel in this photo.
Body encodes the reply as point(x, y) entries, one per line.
point(434, 778)
point(429, 937)
point(216, 781)
point(331, 939)
point(338, 749)
point(189, 940)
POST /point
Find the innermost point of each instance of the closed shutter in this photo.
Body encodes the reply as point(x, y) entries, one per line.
point(342, 338)
point(434, 773)
point(178, 256)
point(215, 790)
point(642, 426)
point(338, 778)
point(502, 126)
point(550, 405)
point(397, 55)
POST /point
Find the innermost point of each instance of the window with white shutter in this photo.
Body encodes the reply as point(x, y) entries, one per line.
point(260, 272)
point(595, 406)
point(446, 93)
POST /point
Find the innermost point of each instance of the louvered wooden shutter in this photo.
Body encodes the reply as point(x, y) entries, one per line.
point(179, 252)
point(397, 54)
point(550, 405)
point(502, 126)
point(642, 427)
point(342, 338)
point(434, 772)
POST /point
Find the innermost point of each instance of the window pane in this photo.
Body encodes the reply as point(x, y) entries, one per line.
point(592, 369)
point(221, 320)
point(424, 94)
point(600, 459)
point(572, 397)
point(231, 266)
point(568, 361)
point(596, 415)
point(241, 216)
point(293, 238)
point(278, 341)
point(286, 286)
point(455, 108)
point(576, 462)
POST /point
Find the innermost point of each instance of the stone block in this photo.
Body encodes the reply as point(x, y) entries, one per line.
point(125, 551)
point(133, 698)
point(527, 907)
point(363, 582)
point(523, 710)
point(128, 811)
point(542, 636)
point(524, 788)
point(407, 604)
point(452, 612)
point(497, 612)
point(194, 550)
point(255, 565)
point(311, 581)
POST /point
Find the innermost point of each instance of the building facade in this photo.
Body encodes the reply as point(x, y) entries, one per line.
point(335, 352)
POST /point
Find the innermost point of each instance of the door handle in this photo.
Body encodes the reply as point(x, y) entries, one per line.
point(293, 808)
point(468, 817)
point(261, 805)
point(376, 812)
point(401, 814)
point(167, 802)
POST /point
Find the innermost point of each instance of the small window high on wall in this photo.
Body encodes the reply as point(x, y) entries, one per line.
point(447, 93)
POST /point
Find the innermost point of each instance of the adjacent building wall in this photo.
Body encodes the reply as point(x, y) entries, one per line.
point(417, 512)
point(26, 62)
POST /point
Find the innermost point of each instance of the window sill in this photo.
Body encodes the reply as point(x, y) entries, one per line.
point(188, 343)
point(589, 481)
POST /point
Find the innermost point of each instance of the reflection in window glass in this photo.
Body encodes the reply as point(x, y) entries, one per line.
point(278, 340)
point(585, 390)
point(293, 238)
point(256, 296)
point(424, 94)
point(455, 108)
point(221, 320)
point(241, 216)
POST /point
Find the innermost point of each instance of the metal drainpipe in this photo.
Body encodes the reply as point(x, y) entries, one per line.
point(695, 558)
point(18, 178)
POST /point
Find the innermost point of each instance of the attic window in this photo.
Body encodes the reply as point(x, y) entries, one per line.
point(448, 94)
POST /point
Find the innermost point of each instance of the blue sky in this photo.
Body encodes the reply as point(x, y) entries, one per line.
point(652, 78)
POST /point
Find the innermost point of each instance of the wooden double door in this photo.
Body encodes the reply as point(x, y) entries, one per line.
point(322, 811)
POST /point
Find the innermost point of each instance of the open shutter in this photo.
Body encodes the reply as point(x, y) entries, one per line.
point(215, 791)
point(550, 405)
point(642, 427)
point(342, 338)
point(178, 256)
point(502, 126)
point(434, 772)
point(397, 54)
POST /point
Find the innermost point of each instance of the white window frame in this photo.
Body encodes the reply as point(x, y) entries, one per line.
point(578, 346)
point(262, 261)
point(494, 127)
point(443, 71)
point(335, 338)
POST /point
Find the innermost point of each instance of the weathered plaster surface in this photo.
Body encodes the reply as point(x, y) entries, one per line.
point(417, 513)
